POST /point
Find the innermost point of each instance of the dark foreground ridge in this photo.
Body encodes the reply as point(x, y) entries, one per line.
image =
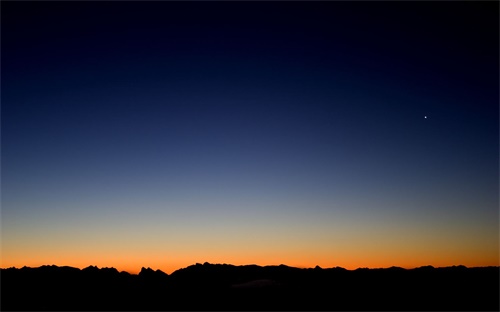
point(251, 287)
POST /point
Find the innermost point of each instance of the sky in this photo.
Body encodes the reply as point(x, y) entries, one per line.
point(164, 134)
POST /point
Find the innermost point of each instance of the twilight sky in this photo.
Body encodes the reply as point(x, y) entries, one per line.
point(163, 134)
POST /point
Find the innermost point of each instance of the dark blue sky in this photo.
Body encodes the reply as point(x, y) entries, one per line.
point(185, 111)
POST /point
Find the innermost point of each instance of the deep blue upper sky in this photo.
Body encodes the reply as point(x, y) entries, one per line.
point(301, 104)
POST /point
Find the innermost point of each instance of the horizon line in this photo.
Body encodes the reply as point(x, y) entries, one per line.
point(243, 265)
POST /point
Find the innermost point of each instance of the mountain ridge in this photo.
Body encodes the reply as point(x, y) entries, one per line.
point(148, 270)
point(250, 287)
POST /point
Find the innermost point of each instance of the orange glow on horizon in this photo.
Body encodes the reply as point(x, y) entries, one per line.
point(133, 266)
point(325, 243)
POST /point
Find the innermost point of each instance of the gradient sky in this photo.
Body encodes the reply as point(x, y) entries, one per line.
point(163, 134)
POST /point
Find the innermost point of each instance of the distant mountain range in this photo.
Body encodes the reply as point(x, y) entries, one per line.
point(251, 287)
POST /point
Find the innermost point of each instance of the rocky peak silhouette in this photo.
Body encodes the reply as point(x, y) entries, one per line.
point(150, 273)
point(251, 287)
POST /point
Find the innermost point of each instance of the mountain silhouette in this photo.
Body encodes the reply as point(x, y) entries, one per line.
point(250, 287)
